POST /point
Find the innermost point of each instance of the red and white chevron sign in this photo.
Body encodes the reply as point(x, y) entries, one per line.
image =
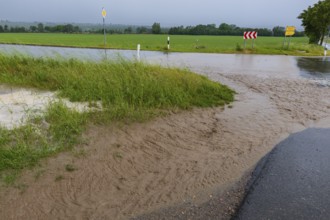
point(250, 35)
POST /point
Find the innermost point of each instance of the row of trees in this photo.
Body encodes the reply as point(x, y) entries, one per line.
point(316, 21)
point(68, 28)
point(227, 29)
point(209, 29)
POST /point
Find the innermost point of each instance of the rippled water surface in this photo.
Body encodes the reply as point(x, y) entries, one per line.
point(261, 65)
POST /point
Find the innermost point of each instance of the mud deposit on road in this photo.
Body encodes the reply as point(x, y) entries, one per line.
point(184, 158)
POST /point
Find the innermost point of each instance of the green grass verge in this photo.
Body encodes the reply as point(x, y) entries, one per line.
point(179, 43)
point(128, 90)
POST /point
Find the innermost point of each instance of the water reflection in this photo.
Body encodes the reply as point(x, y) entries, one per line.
point(314, 67)
point(258, 65)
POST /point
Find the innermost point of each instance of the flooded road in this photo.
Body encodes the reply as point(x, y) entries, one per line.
point(314, 68)
point(260, 65)
point(185, 158)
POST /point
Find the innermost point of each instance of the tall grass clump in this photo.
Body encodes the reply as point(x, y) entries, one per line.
point(125, 88)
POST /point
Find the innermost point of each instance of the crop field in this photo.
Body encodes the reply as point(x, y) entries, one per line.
point(179, 43)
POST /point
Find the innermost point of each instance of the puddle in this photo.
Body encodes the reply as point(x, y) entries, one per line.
point(316, 69)
point(261, 65)
point(17, 105)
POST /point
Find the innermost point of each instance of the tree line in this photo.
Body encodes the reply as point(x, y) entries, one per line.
point(209, 29)
point(40, 28)
point(227, 29)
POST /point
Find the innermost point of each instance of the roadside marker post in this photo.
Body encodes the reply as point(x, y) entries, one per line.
point(325, 49)
point(250, 35)
point(104, 14)
point(168, 42)
point(138, 52)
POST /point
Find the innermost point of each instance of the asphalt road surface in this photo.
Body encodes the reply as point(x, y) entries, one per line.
point(293, 182)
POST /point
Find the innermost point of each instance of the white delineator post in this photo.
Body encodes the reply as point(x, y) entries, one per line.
point(325, 49)
point(168, 42)
point(138, 52)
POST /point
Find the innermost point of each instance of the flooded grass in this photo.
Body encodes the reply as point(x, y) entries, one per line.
point(59, 129)
point(128, 91)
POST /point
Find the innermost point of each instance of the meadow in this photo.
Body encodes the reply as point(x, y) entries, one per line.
point(179, 43)
point(128, 91)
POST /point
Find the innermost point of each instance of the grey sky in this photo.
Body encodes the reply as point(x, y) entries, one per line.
point(244, 13)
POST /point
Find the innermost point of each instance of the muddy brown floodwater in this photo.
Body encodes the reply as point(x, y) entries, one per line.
point(190, 157)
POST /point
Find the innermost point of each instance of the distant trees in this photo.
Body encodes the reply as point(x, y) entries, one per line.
point(17, 29)
point(33, 28)
point(68, 28)
point(212, 29)
point(155, 29)
point(141, 30)
point(226, 29)
point(209, 29)
point(316, 21)
point(40, 28)
point(128, 30)
point(278, 31)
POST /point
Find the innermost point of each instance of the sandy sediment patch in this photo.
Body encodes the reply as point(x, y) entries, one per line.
point(19, 105)
point(124, 171)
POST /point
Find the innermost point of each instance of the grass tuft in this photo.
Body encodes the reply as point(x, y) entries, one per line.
point(127, 90)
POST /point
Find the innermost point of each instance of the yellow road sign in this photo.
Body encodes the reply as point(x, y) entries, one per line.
point(104, 13)
point(290, 30)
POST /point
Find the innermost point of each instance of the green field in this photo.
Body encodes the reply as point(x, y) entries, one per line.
point(204, 44)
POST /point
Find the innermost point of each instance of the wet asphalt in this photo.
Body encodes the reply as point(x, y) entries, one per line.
point(293, 181)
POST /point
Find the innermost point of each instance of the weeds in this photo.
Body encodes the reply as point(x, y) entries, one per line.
point(70, 168)
point(117, 155)
point(127, 91)
point(24, 146)
point(239, 47)
point(59, 178)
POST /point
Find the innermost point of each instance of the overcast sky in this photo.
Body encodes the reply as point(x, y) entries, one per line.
point(243, 13)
